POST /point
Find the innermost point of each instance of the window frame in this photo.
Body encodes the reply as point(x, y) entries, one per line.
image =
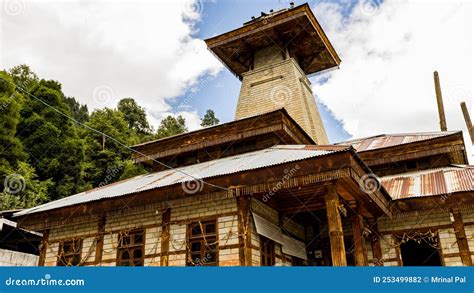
point(267, 252)
point(74, 254)
point(130, 248)
point(202, 238)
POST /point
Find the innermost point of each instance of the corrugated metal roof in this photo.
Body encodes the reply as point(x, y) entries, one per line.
point(456, 178)
point(389, 140)
point(243, 162)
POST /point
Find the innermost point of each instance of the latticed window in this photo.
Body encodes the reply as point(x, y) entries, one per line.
point(130, 248)
point(202, 241)
point(70, 253)
point(267, 252)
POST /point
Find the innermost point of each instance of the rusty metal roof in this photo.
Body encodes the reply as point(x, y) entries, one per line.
point(275, 155)
point(390, 140)
point(439, 181)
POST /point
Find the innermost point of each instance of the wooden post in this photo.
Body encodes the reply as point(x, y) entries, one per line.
point(99, 246)
point(467, 118)
point(165, 237)
point(397, 243)
point(43, 248)
point(461, 239)
point(245, 239)
point(439, 99)
point(375, 243)
point(336, 235)
point(359, 240)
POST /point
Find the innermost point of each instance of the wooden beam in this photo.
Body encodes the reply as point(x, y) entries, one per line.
point(165, 237)
point(467, 118)
point(461, 238)
point(99, 246)
point(336, 235)
point(359, 241)
point(245, 244)
point(43, 248)
point(375, 243)
point(439, 99)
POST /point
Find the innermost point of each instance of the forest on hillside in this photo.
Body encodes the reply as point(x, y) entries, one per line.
point(52, 147)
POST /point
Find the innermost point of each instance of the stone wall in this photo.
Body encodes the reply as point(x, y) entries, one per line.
point(437, 221)
point(149, 218)
point(14, 258)
point(224, 210)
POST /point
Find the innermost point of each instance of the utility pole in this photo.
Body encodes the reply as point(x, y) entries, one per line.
point(467, 118)
point(439, 99)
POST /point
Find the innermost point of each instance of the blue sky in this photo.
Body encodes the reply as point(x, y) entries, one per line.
point(102, 51)
point(221, 93)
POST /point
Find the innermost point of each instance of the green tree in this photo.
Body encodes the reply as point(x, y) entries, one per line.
point(50, 138)
point(130, 169)
point(23, 190)
point(134, 115)
point(78, 111)
point(11, 149)
point(105, 156)
point(209, 119)
point(171, 126)
point(23, 77)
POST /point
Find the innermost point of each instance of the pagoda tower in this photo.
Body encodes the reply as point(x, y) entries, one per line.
point(272, 55)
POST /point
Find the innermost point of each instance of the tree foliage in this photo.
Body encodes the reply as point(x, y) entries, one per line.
point(209, 119)
point(45, 155)
point(134, 115)
point(171, 126)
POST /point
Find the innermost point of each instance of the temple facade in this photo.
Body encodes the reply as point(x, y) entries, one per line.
point(268, 189)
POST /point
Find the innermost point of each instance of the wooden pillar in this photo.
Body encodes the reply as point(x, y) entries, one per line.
point(165, 237)
point(439, 99)
point(99, 246)
point(336, 235)
point(375, 243)
point(463, 245)
point(245, 238)
point(397, 243)
point(359, 240)
point(43, 248)
point(468, 121)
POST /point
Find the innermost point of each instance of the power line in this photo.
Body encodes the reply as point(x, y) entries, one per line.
point(112, 138)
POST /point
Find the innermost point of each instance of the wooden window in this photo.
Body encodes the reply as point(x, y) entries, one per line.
point(70, 253)
point(203, 246)
point(130, 248)
point(267, 252)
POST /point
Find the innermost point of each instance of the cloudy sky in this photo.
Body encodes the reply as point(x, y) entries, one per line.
point(153, 51)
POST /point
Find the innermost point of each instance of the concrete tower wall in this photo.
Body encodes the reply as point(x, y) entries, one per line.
point(277, 81)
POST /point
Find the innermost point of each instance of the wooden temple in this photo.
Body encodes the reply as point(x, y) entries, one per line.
point(268, 189)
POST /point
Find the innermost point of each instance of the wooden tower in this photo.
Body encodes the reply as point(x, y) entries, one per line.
point(272, 56)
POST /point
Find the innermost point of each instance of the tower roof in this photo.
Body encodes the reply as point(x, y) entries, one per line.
point(295, 28)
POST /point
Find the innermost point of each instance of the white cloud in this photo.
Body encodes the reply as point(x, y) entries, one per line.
point(140, 49)
point(389, 53)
